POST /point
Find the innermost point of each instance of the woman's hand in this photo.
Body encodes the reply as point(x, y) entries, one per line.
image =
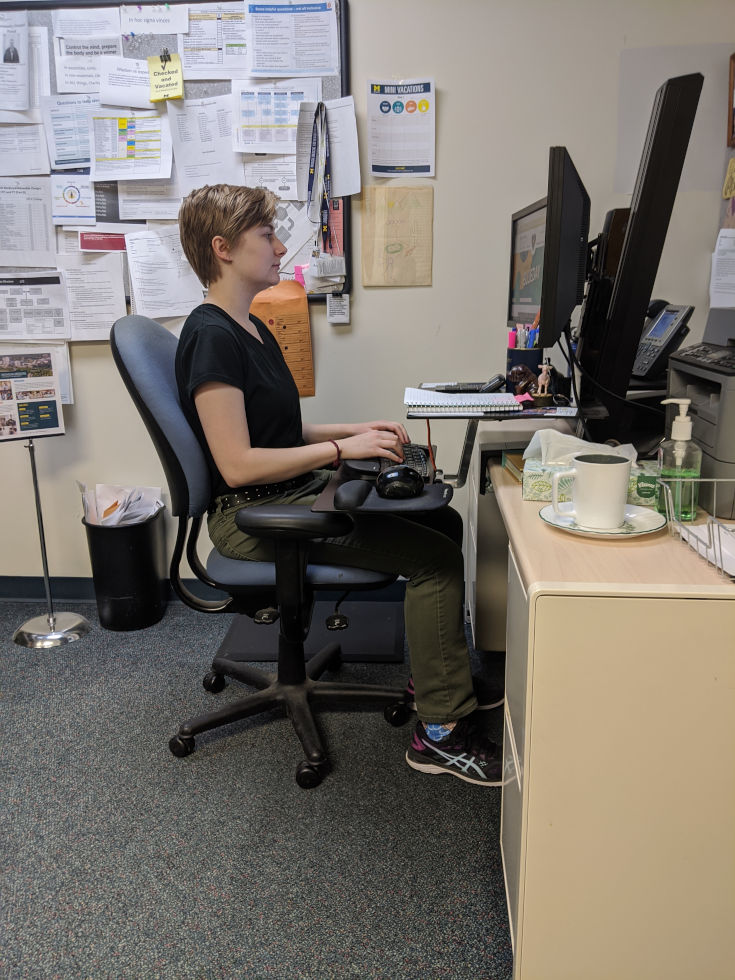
point(361, 440)
point(395, 427)
point(375, 439)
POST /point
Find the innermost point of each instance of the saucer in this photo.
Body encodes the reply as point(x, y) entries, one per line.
point(638, 520)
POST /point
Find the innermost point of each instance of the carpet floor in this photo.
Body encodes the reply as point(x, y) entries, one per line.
point(120, 860)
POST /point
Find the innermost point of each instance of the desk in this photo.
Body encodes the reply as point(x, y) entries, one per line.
point(618, 805)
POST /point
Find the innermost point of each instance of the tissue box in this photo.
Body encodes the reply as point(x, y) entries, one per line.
point(642, 486)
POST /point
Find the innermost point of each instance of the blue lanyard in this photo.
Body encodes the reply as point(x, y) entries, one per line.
point(320, 129)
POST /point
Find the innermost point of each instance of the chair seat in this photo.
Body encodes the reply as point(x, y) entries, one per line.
point(234, 573)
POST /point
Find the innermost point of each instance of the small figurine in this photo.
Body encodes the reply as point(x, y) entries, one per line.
point(544, 378)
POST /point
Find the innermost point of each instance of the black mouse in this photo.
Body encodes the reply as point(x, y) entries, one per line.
point(399, 482)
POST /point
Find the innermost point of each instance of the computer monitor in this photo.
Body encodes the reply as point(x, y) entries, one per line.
point(566, 251)
point(615, 306)
point(527, 238)
point(548, 254)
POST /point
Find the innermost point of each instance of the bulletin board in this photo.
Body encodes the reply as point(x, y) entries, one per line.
point(142, 46)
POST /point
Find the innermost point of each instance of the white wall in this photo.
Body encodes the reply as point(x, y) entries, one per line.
point(512, 79)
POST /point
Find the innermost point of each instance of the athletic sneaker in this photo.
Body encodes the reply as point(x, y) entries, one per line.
point(464, 752)
point(487, 696)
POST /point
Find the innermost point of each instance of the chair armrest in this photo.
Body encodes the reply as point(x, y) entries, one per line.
point(292, 522)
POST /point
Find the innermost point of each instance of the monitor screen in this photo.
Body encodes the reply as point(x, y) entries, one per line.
point(566, 251)
point(617, 301)
point(527, 238)
point(548, 253)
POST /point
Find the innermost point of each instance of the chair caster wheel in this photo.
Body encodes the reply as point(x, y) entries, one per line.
point(309, 775)
point(396, 714)
point(214, 682)
point(181, 745)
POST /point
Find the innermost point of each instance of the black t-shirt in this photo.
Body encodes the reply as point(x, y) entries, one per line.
point(214, 347)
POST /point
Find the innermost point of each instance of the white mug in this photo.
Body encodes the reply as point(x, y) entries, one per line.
point(600, 490)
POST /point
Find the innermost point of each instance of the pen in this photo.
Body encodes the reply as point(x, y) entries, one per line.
point(511, 339)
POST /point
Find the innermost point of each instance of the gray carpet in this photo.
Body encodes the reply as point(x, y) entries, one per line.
point(120, 860)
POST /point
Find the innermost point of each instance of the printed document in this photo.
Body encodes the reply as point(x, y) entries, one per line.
point(26, 233)
point(201, 133)
point(158, 19)
point(15, 60)
point(125, 81)
point(292, 40)
point(33, 307)
point(94, 287)
point(401, 128)
point(23, 151)
point(86, 21)
point(39, 79)
point(129, 146)
point(30, 393)
point(277, 173)
point(78, 61)
point(722, 276)
point(141, 200)
point(66, 122)
point(215, 44)
point(266, 114)
point(72, 196)
point(162, 282)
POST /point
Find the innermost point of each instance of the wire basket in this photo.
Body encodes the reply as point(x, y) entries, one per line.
point(712, 538)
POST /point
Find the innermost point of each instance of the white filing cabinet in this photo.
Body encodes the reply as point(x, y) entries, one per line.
point(618, 807)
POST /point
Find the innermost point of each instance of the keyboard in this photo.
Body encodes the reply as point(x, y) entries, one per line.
point(368, 469)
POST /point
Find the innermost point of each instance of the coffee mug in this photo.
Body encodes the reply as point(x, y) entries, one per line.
point(600, 490)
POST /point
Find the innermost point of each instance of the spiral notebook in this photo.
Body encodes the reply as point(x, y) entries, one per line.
point(426, 401)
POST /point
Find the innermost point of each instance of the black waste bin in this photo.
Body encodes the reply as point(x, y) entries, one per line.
point(129, 572)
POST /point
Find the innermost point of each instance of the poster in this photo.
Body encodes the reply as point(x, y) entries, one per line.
point(30, 394)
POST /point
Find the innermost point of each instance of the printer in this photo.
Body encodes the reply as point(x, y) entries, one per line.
point(705, 373)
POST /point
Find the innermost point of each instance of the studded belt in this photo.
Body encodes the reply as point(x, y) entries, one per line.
point(258, 491)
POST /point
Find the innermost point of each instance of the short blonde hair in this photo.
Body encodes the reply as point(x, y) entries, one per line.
point(220, 209)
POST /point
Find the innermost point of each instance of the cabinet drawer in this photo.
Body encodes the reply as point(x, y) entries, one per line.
point(511, 820)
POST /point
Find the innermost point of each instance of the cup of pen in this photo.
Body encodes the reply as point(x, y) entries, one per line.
point(599, 491)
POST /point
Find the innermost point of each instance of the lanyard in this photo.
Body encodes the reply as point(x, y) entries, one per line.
point(320, 161)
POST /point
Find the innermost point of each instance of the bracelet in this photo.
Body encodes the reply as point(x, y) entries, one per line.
point(338, 460)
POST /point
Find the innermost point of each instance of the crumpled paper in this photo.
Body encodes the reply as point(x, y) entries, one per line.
point(112, 505)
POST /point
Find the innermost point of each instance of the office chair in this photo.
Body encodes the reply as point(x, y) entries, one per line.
point(144, 354)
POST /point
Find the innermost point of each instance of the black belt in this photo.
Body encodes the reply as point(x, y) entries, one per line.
point(257, 491)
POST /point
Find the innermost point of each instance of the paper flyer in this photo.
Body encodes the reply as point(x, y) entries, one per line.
point(401, 128)
point(30, 394)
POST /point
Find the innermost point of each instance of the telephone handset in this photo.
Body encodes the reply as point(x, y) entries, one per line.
point(469, 387)
point(663, 331)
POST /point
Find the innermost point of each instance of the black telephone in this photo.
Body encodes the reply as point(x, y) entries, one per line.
point(664, 330)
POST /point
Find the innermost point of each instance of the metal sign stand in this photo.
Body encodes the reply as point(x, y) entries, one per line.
point(54, 629)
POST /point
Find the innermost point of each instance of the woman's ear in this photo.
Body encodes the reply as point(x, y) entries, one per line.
point(221, 248)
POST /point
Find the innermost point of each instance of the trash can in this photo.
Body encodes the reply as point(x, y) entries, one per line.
point(129, 572)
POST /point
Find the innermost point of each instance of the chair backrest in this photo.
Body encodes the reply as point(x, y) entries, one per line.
point(144, 353)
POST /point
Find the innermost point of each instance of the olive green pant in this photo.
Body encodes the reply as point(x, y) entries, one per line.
point(426, 550)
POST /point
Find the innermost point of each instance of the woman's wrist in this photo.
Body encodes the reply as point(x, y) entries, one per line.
point(338, 460)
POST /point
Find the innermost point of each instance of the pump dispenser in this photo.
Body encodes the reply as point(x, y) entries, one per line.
point(679, 464)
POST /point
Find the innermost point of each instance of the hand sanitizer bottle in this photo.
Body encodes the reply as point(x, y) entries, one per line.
point(679, 465)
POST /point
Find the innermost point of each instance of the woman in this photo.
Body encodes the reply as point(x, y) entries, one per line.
point(240, 398)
